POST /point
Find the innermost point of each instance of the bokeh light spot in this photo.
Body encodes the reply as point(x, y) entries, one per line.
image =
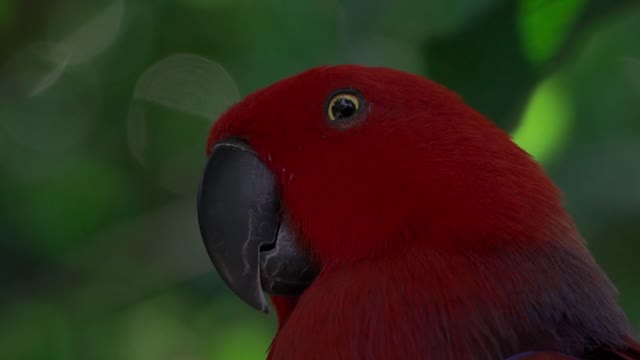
point(546, 121)
point(174, 104)
point(188, 83)
point(40, 108)
point(91, 38)
point(544, 26)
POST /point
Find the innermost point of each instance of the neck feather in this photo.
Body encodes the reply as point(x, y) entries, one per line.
point(464, 305)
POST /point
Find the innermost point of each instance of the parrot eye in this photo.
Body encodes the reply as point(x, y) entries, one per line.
point(343, 107)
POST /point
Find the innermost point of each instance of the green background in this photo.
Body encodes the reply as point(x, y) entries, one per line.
point(104, 112)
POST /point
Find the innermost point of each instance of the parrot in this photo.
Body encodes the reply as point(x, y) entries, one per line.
point(387, 219)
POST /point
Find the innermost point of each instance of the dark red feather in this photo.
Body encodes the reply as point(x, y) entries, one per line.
point(539, 355)
point(438, 237)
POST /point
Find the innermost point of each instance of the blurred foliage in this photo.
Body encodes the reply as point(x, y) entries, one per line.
point(105, 106)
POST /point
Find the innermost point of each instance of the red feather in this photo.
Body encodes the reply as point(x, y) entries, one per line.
point(542, 356)
point(438, 237)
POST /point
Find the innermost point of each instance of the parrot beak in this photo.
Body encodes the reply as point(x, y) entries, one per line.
point(251, 246)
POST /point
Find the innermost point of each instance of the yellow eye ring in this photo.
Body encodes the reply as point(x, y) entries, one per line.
point(343, 106)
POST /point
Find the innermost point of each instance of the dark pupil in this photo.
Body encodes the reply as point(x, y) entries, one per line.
point(343, 108)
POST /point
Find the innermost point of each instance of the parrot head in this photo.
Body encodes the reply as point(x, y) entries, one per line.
point(385, 216)
point(339, 164)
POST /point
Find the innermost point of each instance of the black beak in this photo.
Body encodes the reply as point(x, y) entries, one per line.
point(251, 246)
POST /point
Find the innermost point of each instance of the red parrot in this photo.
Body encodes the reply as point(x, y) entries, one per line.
point(387, 219)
